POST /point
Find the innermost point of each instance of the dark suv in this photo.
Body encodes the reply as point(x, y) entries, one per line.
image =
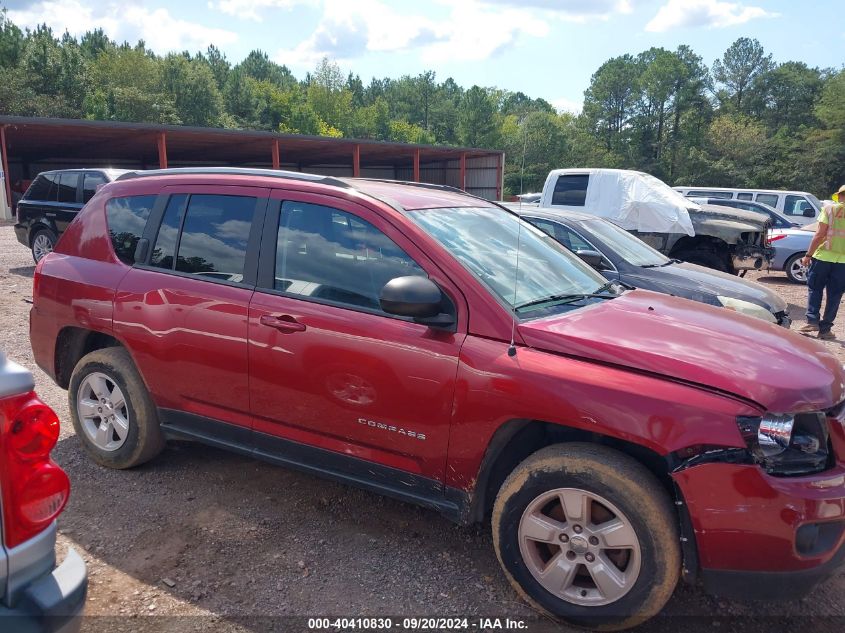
point(430, 345)
point(52, 201)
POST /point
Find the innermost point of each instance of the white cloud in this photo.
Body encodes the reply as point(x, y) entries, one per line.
point(252, 9)
point(467, 31)
point(157, 27)
point(571, 10)
point(565, 104)
point(704, 13)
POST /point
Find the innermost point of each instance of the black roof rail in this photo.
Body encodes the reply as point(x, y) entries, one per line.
point(428, 185)
point(234, 171)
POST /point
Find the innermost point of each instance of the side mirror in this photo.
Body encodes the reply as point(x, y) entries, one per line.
point(809, 213)
point(592, 258)
point(416, 297)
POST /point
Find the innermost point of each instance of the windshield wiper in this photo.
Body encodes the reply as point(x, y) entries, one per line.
point(666, 263)
point(559, 299)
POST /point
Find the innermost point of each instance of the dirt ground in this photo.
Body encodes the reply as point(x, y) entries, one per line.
point(203, 540)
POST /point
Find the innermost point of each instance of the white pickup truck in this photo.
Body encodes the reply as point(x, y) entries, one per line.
point(730, 240)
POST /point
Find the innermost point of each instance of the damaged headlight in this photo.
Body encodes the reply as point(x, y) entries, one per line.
point(748, 308)
point(787, 444)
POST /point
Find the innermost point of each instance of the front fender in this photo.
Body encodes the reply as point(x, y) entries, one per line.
point(638, 408)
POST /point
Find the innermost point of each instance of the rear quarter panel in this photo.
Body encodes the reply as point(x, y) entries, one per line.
point(75, 284)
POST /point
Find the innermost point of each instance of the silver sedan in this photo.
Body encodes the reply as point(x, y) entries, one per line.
point(790, 246)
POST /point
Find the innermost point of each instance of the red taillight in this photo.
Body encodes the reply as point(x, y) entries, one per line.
point(36, 277)
point(35, 490)
point(775, 238)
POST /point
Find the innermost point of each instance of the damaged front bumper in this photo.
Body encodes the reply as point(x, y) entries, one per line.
point(751, 257)
point(760, 536)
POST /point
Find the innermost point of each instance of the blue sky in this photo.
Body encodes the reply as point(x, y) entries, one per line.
point(545, 48)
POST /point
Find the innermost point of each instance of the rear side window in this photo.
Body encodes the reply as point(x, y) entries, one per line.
point(164, 250)
point(127, 218)
point(44, 188)
point(770, 199)
point(67, 186)
point(215, 235)
point(39, 189)
point(744, 196)
point(571, 191)
point(90, 184)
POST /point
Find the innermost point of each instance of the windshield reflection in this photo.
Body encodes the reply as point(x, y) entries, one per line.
point(484, 240)
point(632, 249)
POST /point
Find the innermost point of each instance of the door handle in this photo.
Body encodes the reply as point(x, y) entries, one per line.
point(284, 323)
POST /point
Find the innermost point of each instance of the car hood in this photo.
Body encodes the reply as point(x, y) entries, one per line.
point(779, 370)
point(691, 281)
point(727, 217)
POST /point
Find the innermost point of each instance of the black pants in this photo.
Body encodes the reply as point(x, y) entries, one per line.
point(824, 277)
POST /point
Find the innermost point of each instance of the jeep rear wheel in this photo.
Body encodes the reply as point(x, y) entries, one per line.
point(113, 414)
point(588, 535)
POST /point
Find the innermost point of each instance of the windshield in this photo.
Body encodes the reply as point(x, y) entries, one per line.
point(632, 249)
point(816, 202)
point(484, 241)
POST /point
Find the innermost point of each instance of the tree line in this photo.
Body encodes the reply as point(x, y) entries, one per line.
point(744, 121)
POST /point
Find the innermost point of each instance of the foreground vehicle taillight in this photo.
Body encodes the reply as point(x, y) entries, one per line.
point(35, 490)
point(36, 277)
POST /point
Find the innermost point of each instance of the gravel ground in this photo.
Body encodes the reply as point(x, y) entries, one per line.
point(203, 540)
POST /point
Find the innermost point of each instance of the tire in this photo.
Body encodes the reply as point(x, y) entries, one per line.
point(708, 259)
point(43, 242)
point(796, 273)
point(134, 436)
point(650, 566)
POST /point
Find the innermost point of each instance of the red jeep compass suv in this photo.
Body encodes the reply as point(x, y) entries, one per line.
point(430, 345)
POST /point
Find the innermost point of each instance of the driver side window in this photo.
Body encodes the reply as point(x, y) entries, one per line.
point(330, 255)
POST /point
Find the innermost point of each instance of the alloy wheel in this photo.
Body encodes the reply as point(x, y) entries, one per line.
point(798, 271)
point(103, 412)
point(579, 547)
point(41, 246)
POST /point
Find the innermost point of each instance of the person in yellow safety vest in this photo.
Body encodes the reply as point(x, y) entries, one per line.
point(826, 259)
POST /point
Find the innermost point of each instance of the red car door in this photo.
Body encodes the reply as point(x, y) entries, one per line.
point(328, 368)
point(183, 309)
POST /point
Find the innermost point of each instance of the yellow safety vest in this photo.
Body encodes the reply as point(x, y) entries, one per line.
point(833, 247)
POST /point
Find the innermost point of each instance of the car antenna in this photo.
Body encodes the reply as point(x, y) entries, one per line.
point(512, 348)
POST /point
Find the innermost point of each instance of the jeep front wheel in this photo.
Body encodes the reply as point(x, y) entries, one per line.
point(588, 535)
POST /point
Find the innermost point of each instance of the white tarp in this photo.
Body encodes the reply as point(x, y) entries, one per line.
point(638, 202)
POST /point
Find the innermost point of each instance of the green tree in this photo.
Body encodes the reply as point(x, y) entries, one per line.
point(218, 64)
point(792, 90)
point(258, 66)
point(536, 144)
point(195, 94)
point(329, 97)
point(743, 62)
point(11, 42)
point(609, 102)
point(127, 86)
point(93, 43)
point(477, 124)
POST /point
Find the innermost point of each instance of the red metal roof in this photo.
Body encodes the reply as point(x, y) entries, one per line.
point(38, 138)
